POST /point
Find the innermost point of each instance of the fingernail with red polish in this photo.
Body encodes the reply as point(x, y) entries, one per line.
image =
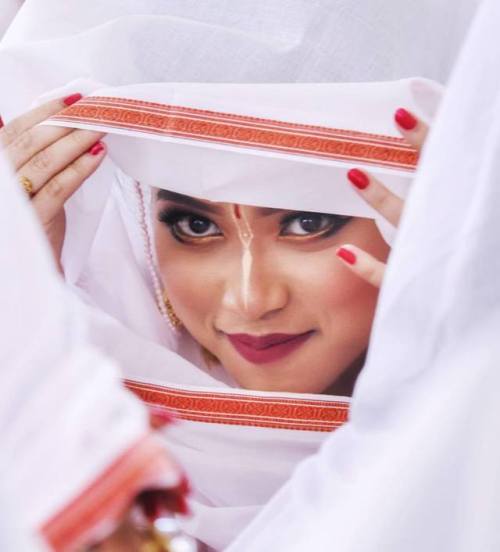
point(70, 100)
point(1, 122)
point(97, 148)
point(346, 255)
point(358, 178)
point(405, 119)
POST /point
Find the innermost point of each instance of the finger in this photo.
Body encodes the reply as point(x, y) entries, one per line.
point(362, 264)
point(33, 140)
point(385, 202)
point(51, 198)
point(52, 160)
point(15, 128)
point(411, 127)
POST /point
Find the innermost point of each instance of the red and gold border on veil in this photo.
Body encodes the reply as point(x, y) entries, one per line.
point(242, 131)
point(277, 412)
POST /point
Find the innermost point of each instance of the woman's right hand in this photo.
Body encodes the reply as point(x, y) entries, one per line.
point(51, 163)
point(386, 203)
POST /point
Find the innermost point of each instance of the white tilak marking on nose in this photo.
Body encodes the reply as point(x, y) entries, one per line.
point(246, 269)
point(246, 236)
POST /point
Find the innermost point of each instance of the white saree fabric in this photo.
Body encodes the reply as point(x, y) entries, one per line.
point(222, 425)
point(416, 468)
point(226, 434)
point(65, 419)
point(118, 43)
point(13, 534)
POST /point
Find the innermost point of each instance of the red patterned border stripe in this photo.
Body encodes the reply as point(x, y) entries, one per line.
point(244, 120)
point(243, 131)
point(108, 497)
point(244, 410)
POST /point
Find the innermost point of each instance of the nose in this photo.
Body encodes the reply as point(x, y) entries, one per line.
point(254, 290)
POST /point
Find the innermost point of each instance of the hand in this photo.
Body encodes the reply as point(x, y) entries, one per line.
point(51, 163)
point(389, 205)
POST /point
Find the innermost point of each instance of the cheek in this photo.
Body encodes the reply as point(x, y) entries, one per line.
point(183, 286)
point(331, 290)
point(351, 301)
point(328, 287)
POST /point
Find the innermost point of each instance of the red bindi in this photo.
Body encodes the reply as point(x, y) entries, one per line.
point(237, 213)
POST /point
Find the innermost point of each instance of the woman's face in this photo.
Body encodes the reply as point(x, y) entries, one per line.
point(263, 290)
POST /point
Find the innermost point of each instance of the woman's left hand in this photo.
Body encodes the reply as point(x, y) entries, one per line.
point(385, 202)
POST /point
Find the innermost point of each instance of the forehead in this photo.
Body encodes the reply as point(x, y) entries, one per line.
point(210, 207)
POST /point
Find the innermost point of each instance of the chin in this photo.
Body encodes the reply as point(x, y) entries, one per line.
point(268, 378)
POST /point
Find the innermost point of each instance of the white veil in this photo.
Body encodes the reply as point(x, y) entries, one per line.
point(51, 43)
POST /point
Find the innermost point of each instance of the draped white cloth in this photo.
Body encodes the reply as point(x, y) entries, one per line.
point(14, 534)
point(416, 468)
point(9, 10)
point(52, 43)
point(58, 393)
point(143, 41)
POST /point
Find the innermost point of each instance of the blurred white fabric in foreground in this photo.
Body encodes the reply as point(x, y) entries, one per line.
point(8, 10)
point(65, 419)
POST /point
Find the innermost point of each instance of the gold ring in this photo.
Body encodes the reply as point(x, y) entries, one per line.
point(27, 185)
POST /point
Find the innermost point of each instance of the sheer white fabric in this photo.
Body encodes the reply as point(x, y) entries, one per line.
point(12, 535)
point(417, 466)
point(118, 43)
point(9, 10)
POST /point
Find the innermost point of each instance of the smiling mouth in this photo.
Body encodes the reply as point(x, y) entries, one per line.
point(267, 348)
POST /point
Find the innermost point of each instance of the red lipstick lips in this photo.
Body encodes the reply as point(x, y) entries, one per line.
point(267, 348)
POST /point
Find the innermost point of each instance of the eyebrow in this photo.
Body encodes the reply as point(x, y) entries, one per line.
point(188, 201)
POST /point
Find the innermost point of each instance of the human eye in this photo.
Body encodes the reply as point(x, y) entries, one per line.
point(312, 224)
point(188, 226)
